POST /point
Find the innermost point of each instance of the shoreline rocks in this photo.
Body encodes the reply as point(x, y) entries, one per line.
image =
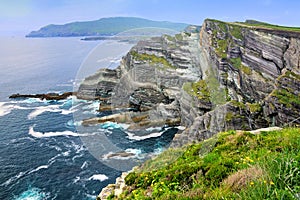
point(48, 96)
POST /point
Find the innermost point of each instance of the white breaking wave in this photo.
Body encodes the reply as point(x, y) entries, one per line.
point(51, 108)
point(21, 174)
point(113, 125)
point(84, 165)
point(132, 136)
point(99, 177)
point(37, 134)
point(39, 168)
point(124, 155)
point(6, 108)
point(14, 178)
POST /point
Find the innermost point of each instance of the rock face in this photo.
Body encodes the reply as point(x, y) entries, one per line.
point(222, 76)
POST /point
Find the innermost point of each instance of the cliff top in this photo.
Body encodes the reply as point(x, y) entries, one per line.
point(241, 164)
point(285, 31)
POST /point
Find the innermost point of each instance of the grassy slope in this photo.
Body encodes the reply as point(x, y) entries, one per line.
point(257, 24)
point(240, 166)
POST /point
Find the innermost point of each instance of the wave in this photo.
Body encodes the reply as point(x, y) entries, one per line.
point(77, 178)
point(21, 174)
point(51, 108)
point(38, 168)
point(14, 178)
point(98, 177)
point(6, 109)
point(113, 125)
point(50, 134)
point(132, 136)
point(37, 134)
point(84, 165)
point(124, 155)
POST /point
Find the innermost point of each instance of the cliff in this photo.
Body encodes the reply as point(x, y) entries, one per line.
point(224, 76)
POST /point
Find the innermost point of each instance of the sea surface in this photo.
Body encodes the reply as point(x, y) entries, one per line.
point(45, 153)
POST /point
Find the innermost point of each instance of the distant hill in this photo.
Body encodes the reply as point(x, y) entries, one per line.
point(102, 27)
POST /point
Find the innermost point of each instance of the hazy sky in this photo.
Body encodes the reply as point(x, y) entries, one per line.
point(22, 16)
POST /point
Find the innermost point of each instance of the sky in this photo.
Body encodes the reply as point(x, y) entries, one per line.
point(22, 16)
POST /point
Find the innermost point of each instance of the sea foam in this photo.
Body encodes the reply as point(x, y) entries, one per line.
point(6, 108)
point(37, 134)
point(99, 177)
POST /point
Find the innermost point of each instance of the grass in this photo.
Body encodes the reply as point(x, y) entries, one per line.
point(288, 96)
point(271, 26)
point(236, 31)
point(222, 48)
point(239, 166)
point(237, 63)
point(198, 89)
point(153, 59)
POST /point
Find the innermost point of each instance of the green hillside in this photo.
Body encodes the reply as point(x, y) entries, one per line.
point(102, 27)
point(241, 165)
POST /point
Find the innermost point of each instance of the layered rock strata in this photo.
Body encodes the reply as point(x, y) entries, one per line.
point(225, 76)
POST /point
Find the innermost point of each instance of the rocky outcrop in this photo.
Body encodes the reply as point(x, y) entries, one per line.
point(113, 189)
point(49, 96)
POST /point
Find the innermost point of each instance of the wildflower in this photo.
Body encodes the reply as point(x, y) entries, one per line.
point(237, 163)
point(265, 181)
point(251, 183)
point(272, 183)
point(162, 183)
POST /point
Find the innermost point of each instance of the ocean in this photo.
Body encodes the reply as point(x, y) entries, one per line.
point(45, 153)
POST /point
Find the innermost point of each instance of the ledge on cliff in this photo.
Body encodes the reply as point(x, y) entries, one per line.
point(231, 165)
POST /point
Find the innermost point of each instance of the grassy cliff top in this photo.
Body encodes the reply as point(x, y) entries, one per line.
point(253, 24)
point(240, 165)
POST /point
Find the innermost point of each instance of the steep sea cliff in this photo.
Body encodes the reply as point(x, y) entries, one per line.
point(221, 77)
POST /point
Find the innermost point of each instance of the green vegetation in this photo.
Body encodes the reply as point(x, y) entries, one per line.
point(237, 63)
point(240, 166)
point(198, 89)
point(254, 107)
point(153, 59)
point(103, 27)
point(253, 23)
point(236, 31)
point(179, 37)
point(222, 48)
point(170, 38)
point(238, 104)
point(246, 70)
point(287, 97)
point(217, 92)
